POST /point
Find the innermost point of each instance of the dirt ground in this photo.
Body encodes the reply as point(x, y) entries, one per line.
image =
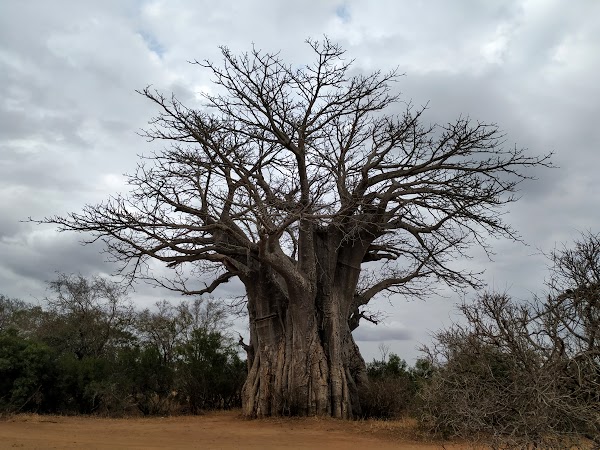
point(219, 430)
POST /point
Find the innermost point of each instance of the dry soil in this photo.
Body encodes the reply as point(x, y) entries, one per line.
point(219, 430)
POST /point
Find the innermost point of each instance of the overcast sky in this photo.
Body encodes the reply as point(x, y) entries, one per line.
point(69, 113)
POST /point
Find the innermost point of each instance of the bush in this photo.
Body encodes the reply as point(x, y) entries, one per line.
point(90, 352)
point(524, 374)
point(392, 388)
point(83, 383)
point(211, 374)
point(508, 378)
point(27, 371)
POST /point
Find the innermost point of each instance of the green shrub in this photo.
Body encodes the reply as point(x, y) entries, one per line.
point(27, 369)
point(392, 388)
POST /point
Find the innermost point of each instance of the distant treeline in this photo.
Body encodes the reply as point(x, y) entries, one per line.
point(90, 351)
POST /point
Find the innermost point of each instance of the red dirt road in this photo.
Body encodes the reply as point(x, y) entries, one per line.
point(221, 430)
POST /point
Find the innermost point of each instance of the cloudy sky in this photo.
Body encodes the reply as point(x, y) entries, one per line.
point(69, 112)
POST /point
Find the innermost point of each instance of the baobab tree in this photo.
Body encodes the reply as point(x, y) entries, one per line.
point(308, 186)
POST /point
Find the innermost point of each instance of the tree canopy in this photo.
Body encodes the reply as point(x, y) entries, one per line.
point(285, 147)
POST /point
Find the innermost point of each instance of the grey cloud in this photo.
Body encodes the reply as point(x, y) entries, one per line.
point(381, 333)
point(39, 254)
point(30, 260)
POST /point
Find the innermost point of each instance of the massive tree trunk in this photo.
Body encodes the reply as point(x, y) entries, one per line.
point(302, 357)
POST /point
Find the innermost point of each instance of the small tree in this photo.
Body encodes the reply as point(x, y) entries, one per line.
point(86, 322)
point(296, 180)
point(210, 374)
point(10, 309)
point(184, 348)
point(86, 315)
point(19, 315)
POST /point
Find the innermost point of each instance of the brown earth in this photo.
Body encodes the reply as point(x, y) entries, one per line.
point(218, 430)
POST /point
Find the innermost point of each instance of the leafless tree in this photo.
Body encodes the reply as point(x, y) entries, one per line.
point(303, 183)
point(523, 374)
point(87, 314)
point(169, 326)
point(9, 311)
